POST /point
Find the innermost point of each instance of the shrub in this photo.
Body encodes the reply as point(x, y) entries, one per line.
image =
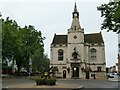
point(39, 81)
point(43, 81)
point(50, 81)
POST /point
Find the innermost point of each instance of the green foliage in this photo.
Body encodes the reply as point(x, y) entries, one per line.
point(39, 59)
point(0, 40)
point(51, 81)
point(111, 14)
point(45, 78)
point(39, 81)
point(19, 43)
point(9, 36)
point(43, 81)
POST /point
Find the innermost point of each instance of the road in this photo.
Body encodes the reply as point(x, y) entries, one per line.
point(92, 83)
point(86, 83)
point(6, 82)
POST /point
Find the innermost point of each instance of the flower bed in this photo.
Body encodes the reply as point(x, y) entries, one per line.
point(43, 81)
point(45, 78)
point(39, 81)
point(51, 81)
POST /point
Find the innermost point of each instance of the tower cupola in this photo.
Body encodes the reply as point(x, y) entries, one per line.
point(75, 26)
point(75, 12)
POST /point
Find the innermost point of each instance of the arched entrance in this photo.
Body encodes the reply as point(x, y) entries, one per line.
point(75, 72)
point(64, 73)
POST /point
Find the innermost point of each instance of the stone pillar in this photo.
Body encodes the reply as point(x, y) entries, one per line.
point(68, 74)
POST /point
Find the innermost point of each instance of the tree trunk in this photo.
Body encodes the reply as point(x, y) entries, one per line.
point(18, 62)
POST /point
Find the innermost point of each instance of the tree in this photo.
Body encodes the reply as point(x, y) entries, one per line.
point(0, 38)
point(111, 14)
point(39, 60)
point(31, 40)
point(20, 44)
point(9, 36)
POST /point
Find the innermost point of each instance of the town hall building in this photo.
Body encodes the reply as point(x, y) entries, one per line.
point(78, 55)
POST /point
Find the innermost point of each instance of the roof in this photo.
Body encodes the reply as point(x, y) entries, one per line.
point(93, 38)
point(59, 39)
point(90, 38)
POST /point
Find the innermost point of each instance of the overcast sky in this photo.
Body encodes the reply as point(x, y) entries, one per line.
point(55, 16)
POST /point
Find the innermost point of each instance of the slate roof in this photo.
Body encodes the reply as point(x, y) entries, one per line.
point(93, 38)
point(89, 38)
point(59, 39)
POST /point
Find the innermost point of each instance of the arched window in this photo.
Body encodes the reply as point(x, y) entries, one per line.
point(93, 55)
point(60, 55)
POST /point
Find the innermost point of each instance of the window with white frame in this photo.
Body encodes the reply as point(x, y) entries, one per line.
point(60, 55)
point(93, 55)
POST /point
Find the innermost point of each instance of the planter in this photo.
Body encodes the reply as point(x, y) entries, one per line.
point(50, 81)
point(41, 81)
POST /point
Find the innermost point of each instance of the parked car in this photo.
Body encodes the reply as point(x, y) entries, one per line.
point(110, 75)
point(36, 73)
point(24, 73)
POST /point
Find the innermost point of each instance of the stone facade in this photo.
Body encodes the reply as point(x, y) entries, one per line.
point(78, 55)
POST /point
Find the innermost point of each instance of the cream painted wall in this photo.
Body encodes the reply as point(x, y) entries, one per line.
point(78, 34)
point(100, 54)
point(54, 55)
point(83, 52)
point(79, 50)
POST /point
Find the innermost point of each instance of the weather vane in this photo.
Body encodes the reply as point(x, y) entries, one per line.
point(75, 1)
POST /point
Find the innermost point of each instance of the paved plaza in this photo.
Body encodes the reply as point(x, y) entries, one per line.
point(61, 83)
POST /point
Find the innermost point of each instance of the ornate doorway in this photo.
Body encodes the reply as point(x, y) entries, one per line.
point(75, 72)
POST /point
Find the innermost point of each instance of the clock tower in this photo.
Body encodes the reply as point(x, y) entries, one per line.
point(75, 33)
point(75, 41)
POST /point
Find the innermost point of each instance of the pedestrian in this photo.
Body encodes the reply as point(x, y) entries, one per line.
point(94, 76)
